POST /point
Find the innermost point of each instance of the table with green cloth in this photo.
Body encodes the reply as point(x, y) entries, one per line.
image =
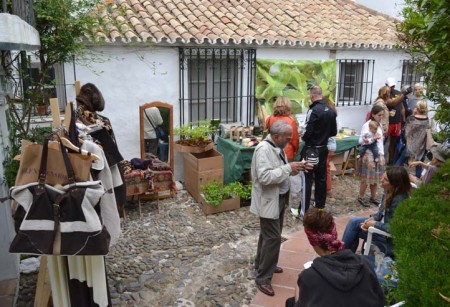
point(238, 158)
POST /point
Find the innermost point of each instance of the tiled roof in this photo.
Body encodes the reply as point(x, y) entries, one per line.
point(324, 23)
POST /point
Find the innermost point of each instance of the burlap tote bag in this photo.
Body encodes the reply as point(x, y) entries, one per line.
point(59, 220)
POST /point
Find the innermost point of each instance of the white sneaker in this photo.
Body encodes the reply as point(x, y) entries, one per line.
point(294, 212)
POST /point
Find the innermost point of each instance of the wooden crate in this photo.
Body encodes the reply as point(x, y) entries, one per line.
point(226, 205)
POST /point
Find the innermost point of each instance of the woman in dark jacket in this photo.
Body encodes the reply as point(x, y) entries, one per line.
point(397, 186)
point(338, 277)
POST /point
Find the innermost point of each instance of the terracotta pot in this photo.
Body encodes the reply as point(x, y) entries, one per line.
point(41, 109)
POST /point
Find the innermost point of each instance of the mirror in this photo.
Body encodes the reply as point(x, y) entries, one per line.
point(160, 114)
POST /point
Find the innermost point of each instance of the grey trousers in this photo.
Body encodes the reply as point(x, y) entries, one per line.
point(151, 146)
point(269, 244)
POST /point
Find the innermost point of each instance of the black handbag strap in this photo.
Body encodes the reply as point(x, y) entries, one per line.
point(150, 121)
point(281, 154)
point(43, 166)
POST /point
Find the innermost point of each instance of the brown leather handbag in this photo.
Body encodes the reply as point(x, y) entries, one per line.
point(59, 220)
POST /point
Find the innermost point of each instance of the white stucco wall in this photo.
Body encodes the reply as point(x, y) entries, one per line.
point(129, 76)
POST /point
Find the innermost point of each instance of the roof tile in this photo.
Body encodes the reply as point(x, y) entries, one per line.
point(293, 22)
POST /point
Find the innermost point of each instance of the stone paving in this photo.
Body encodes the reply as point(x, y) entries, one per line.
point(181, 257)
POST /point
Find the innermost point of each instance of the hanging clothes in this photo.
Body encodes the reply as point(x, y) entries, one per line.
point(110, 178)
point(90, 101)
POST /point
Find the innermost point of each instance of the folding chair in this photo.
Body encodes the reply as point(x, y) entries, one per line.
point(398, 304)
point(370, 233)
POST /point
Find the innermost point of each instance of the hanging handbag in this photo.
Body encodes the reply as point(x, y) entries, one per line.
point(311, 155)
point(59, 220)
point(429, 138)
point(30, 159)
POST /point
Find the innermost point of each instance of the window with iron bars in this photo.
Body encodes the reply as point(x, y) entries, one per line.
point(25, 76)
point(217, 83)
point(53, 84)
point(355, 82)
point(410, 75)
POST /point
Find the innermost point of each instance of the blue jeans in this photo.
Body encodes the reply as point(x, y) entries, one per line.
point(353, 233)
point(402, 158)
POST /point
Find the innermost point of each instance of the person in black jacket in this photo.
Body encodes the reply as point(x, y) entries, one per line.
point(338, 277)
point(320, 125)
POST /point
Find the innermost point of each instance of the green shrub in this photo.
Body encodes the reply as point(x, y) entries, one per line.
point(215, 194)
point(421, 230)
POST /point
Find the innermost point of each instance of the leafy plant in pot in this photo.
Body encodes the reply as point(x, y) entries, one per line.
point(214, 193)
point(218, 199)
point(194, 138)
point(244, 191)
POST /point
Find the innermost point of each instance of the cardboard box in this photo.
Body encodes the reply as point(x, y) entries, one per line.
point(194, 149)
point(226, 205)
point(203, 161)
point(193, 180)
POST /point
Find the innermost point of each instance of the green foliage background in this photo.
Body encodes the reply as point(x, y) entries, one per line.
point(421, 231)
point(425, 31)
point(292, 79)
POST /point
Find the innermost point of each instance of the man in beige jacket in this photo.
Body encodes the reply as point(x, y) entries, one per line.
point(270, 195)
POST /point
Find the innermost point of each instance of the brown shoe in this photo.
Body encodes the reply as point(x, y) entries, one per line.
point(266, 289)
point(278, 270)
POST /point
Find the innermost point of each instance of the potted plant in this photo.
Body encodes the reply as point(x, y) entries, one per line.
point(244, 191)
point(216, 198)
point(41, 101)
point(194, 138)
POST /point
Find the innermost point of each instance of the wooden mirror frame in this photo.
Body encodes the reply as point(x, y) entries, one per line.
point(157, 104)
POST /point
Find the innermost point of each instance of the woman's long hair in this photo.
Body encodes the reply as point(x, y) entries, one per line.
point(330, 104)
point(282, 106)
point(384, 93)
point(375, 110)
point(399, 180)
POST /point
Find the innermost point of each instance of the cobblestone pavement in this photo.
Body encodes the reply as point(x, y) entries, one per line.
point(181, 257)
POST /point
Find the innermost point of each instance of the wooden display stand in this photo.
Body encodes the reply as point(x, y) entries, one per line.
point(352, 153)
point(43, 287)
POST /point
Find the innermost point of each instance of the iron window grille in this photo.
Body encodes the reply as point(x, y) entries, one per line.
point(217, 83)
point(410, 74)
point(355, 82)
point(54, 85)
point(25, 74)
